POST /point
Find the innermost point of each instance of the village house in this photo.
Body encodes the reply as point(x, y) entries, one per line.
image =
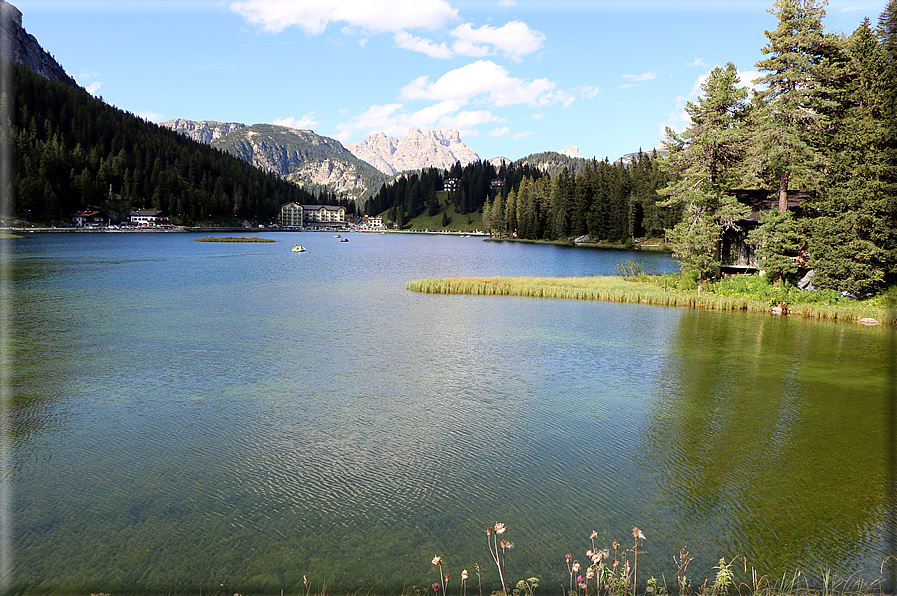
point(89, 218)
point(149, 218)
point(371, 222)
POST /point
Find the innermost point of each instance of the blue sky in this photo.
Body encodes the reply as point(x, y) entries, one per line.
point(515, 77)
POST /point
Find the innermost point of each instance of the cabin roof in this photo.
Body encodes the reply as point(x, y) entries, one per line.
point(762, 201)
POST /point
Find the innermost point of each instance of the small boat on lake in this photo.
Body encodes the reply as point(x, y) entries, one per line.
point(298, 248)
point(343, 239)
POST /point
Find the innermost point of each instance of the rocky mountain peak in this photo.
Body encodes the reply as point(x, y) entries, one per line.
point(571, 151)
point(17, 46)
point(416, 151)
point(205, 131)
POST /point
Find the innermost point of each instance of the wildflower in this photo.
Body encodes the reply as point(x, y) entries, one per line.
point(589, 553)
point(436, 587)
point(569, 558)
point(446, 578)
point(637, 534)
point(489, 531)
point(464, 575)
point(437, 561)
point(576, 566)
point(590, 573)
point(505, 545)
point(616, 544)
point(500, 528)
point(594, 535)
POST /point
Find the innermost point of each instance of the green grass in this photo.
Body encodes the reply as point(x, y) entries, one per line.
point(670, 290)
point(457, 221)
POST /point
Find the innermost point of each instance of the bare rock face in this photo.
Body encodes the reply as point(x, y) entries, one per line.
point(303, 157)
point(206, 131)
point(17, 46)
point(418, 150)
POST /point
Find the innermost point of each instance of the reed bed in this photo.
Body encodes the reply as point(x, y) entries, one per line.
point(619, 289)
point(233, 239)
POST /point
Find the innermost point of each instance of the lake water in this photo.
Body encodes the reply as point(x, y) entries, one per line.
point(194, 418)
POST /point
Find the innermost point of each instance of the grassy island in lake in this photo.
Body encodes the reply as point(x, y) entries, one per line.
point(233, 239)
point(669, 290)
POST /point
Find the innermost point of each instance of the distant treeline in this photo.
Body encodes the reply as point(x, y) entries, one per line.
point(607, 201)
point(74, 152)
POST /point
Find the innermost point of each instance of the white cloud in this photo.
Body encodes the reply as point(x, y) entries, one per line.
point(559, 96)
point(537, 116)
point(390, 120)
point(588, 91)
point(499, 132)
point(480, 79)
point(507, 3)
point(86, 75)
point(696, 62)
point(514, 39)
point(523, 135)
point(425, 46)
point(306, 122)
point(150, 116)
point(745, 79)
point(645, 76)
point(748, 78)
point(377, 16)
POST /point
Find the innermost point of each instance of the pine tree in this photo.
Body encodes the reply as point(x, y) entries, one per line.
point(498, 215)
point(789, 123)
point(702, 160)
point(852, 236)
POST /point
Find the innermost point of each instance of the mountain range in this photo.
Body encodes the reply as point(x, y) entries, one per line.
point(357, 169)
point(354, 170)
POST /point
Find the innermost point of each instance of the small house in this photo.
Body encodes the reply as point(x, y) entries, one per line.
point(89, 218)
point(737, 255)
point(149, 218)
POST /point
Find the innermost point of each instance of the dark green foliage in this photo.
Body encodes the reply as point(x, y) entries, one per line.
point(778, 241)
point(854, 237)
point(790, 122)
point(607, 201)
point(74, 152)
point(703, 160)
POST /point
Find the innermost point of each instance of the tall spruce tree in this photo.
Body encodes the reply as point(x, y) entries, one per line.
point(790, 122)
point(853, 236)
point(702, 161)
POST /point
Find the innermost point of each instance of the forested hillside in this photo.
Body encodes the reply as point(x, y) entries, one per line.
point(606, 201)
point(74, 152)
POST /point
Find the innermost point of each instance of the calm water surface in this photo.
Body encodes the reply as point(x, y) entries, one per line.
point(208, 417)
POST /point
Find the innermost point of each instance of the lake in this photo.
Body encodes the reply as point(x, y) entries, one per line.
point(191, 417)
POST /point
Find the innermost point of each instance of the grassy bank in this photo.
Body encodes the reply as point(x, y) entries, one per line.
point(671, 290)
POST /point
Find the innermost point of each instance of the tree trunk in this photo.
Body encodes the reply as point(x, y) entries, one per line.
point(783, 190)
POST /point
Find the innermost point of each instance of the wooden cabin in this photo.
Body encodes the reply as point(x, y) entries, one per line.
point(737, 255)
